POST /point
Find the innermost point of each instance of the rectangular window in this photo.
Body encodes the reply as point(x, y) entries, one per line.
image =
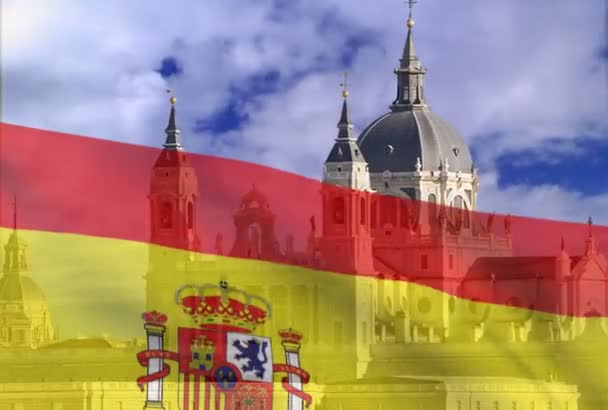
point(424, 262)
point(373, 213)
point(388, 210)
point(339, 210)
point(451, 261)
point(363, 211)
point(337, 333)
point(404, 217)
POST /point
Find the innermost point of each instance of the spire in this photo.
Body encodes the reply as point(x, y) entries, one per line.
point(345, 149)
point(172, 141)
point(409, 50)
point(590, 242)
point(344, 125)
point(15, 213)
point(410, 74)
point(15, 257)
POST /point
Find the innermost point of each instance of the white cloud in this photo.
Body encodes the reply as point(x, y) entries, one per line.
point(546, 201)
point(520, 73)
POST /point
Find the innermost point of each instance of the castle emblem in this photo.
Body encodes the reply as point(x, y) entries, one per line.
point(202, 354)
point(219, 356)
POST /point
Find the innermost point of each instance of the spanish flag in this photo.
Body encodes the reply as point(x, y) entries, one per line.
point(155, 278)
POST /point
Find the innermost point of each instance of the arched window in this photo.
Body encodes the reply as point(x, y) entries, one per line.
point(458, 211)
point(166, 215)
point(432, 208)
point(339, 209)
point(190, 215)
point(404, 217)
point(363, 211)
point(467, 217)
point(388, 210)
point(373, 212)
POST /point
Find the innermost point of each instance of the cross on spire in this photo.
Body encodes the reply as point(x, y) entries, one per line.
point(410, 4)
point(410, 73)
point(410, 20)
point(172, 100)
point(344, 85)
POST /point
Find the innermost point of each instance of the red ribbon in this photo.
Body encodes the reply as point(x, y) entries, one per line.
point(285, 368)
point(144, 358)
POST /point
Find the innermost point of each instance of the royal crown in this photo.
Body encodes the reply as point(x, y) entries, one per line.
point(222, 305)
point(154, 318)
point(291, 336)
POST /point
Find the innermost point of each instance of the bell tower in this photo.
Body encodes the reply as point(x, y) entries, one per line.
point(346, 242)
point(346, 239)
point(173, 200)
point(173, 193)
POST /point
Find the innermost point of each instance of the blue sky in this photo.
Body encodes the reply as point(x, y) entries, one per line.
point(258, 80)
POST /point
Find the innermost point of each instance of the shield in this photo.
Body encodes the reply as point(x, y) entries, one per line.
point(221, 363)
point(224, 369)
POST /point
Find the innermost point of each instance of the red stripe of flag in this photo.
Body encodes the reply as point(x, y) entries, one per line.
point(66, 183)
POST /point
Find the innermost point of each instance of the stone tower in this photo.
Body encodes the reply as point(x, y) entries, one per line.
point(347, 242)
point(255, 234)
point(25, 320)
point(173, 202)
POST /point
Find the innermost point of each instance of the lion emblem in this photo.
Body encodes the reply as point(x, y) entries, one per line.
point(250, 351)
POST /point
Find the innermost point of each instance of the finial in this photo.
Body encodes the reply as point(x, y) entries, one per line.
point(172, 100)
point(172, 142)
point(590, 223)
point(344, 124)
point(344, 86)
point(410, 20)
point(563, 244)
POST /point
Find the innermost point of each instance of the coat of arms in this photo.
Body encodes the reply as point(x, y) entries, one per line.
point(222, 364)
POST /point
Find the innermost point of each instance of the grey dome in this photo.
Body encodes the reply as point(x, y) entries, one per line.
point(396, 140)
point(20, 288)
